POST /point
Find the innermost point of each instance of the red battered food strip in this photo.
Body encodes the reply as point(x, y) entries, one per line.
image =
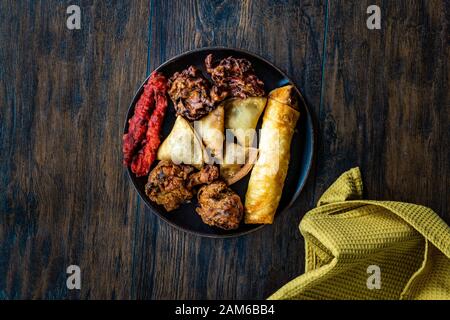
point(137, 125)
point(144, 158)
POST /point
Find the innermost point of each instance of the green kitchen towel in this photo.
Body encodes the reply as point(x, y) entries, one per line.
point(362, 249)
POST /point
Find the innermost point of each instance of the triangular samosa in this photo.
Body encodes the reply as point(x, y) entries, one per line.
point(237, 162)
point(182, 145)
point(210, 129)
point(241, 117)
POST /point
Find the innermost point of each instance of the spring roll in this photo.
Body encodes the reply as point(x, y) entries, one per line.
point(268, 175)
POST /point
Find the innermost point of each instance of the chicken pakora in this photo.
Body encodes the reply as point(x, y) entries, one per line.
point(220, 206)
point(171, 185)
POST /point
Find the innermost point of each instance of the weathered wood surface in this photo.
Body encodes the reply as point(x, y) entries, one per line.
point(64, 198)
point(380, 98)
point(386, 101)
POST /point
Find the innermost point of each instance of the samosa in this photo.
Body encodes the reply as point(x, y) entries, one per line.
point(237, 162)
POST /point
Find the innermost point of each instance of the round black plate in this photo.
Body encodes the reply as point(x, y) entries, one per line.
point(185, 217)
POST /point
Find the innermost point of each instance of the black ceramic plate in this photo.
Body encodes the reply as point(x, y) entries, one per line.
point(185, 217)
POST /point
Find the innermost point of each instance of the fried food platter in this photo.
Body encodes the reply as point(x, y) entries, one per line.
point(212, 202)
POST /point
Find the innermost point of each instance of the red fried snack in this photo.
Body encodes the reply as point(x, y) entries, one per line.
point(137, 125)
point(144, 158)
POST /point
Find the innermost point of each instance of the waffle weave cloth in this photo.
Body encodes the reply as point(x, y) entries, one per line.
point(363, 249)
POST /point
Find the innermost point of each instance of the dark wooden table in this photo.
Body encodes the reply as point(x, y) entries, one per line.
point(380, 100)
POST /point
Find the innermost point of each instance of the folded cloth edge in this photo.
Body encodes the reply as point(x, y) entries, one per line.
point(435, 230)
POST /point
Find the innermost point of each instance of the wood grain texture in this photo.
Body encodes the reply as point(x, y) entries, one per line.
point(64, 198)
point(380, 97)
point(386, 101)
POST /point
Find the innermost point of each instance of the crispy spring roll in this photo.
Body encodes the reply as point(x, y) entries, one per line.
point(268, 175)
